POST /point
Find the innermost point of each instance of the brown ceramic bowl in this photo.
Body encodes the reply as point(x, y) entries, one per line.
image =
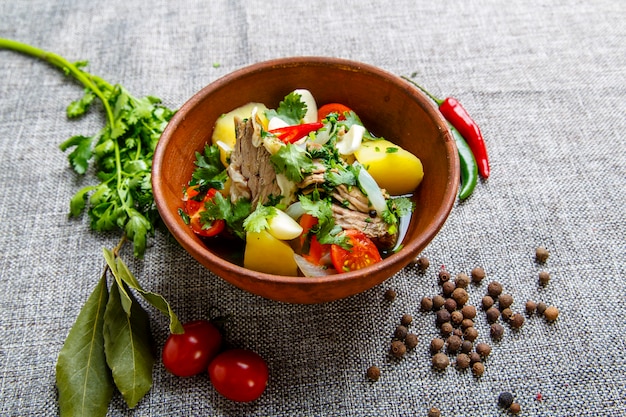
point(388, 106)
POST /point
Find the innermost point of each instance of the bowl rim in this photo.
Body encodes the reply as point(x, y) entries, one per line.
point(402, 257)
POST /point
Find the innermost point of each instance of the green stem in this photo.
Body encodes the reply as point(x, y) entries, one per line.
point(433, 98)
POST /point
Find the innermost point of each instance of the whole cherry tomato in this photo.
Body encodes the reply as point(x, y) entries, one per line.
point(329, 108)
point(191, 352)
point(239, 374)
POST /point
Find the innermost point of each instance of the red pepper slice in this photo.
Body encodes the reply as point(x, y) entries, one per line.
point(291, 134)
point(458, 117)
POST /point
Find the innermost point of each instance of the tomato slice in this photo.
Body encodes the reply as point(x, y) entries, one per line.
point(195, 208)
point(363, 253)
point(329, 108)
point(316, 250)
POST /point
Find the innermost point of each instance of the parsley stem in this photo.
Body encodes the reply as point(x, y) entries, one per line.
point(61, 63)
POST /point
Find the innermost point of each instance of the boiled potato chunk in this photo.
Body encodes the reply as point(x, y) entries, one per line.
point(395, 169)
point(265, 253)
point(224, 129)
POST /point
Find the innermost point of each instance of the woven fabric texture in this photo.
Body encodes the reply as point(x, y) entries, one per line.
point(546, 80)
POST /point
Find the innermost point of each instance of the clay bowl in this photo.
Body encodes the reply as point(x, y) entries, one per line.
point(388, 106)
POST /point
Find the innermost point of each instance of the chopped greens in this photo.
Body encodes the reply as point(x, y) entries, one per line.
point(290, 110)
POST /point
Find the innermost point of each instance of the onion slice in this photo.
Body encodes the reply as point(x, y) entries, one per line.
point(371, 189)
point(311, 270)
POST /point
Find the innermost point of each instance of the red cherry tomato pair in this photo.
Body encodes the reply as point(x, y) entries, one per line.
point(237, 374)
point(194, 208)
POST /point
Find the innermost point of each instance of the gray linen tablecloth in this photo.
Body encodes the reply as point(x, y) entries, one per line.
point(545, 80)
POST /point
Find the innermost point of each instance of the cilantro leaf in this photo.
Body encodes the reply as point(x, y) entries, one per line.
point(326, 230)
point(292, 109)
point(81, 106)
point(232, 213)
point(210, 172)
point(80, 156)
point(258, 219)
point(340, 175)
point(293, 161)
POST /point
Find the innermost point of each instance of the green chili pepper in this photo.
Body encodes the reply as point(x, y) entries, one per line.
point(469, 167)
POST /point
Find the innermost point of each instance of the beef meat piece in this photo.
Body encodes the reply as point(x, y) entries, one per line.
point(374, 227)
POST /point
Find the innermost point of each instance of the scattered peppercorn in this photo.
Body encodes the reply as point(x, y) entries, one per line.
point(467, 323)
point(474, 357)
point(497, 331)
point(446, 328)
point(442, 316)
point(436, 345)
point(434, 412)
point(406, 319)
point(426, 303)
point(470, 334)
point(516, 321)
point(462, 361)
point(373, 373)
point(450, 304)
point(438, 302)
point(422, 263)
point(398, 348)
point(390, 295)
point(551, 313)
point(483, 349)
point(478, 274)
point(410, 340)
point(507, 313)
point(544, 278)
point(466, 346)
point(541, 254)
point(541, 307)
point(458, 332)
point(505, 399)
point(440, 361)
point(447, 288)
point(505, 301)
point(493, 314)
point(531, 306)
point(487, 302)
point(453, 344)
point(462, 280)
point(460, 296)
point(515, 408)
point(400, 332)
point(443, 276)
point(494, 289)
point(468, 311)
point(456, 317)
point(478, 368)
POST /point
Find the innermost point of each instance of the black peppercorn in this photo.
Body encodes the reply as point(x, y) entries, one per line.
point(446, 328)
point(426, 304)
point(505, 399)
point(440, 361)
point(470, 334)
point(398, 348)
point(505, 301)
point(544, 278)
point(400, 332)
point(468, 311)
point(447, 288)
point(373, 373)
point(478, 274)
point(478, 368)
point(442, 316)
point(497, 331)
point(410, 340)
point(443, 276)
point(483, 349)
point(390, 295)
point(462, 280)
point(460, 296)
point(456, 317)
point(494, 289)
point(493, 314)
point(453, 344)
point(436, 345)
point(531, 306)
point(467, 323)
point(466, 346)
point(438, 302)
point(541, 307)
point(487, 302)
point(406, 319)
point(516, 321)
point(462, 361)
point(506, 314)
point(422, 263)
point(450, 305)
point(541, 254)
point(434, 412)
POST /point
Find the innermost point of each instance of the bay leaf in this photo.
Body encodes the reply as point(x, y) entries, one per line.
point(83, 378)
point(156, 300)
point(126, 299)
point(128, 347)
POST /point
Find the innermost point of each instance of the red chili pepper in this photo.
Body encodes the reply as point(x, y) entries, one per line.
point(291, 134)
point(458, 117)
